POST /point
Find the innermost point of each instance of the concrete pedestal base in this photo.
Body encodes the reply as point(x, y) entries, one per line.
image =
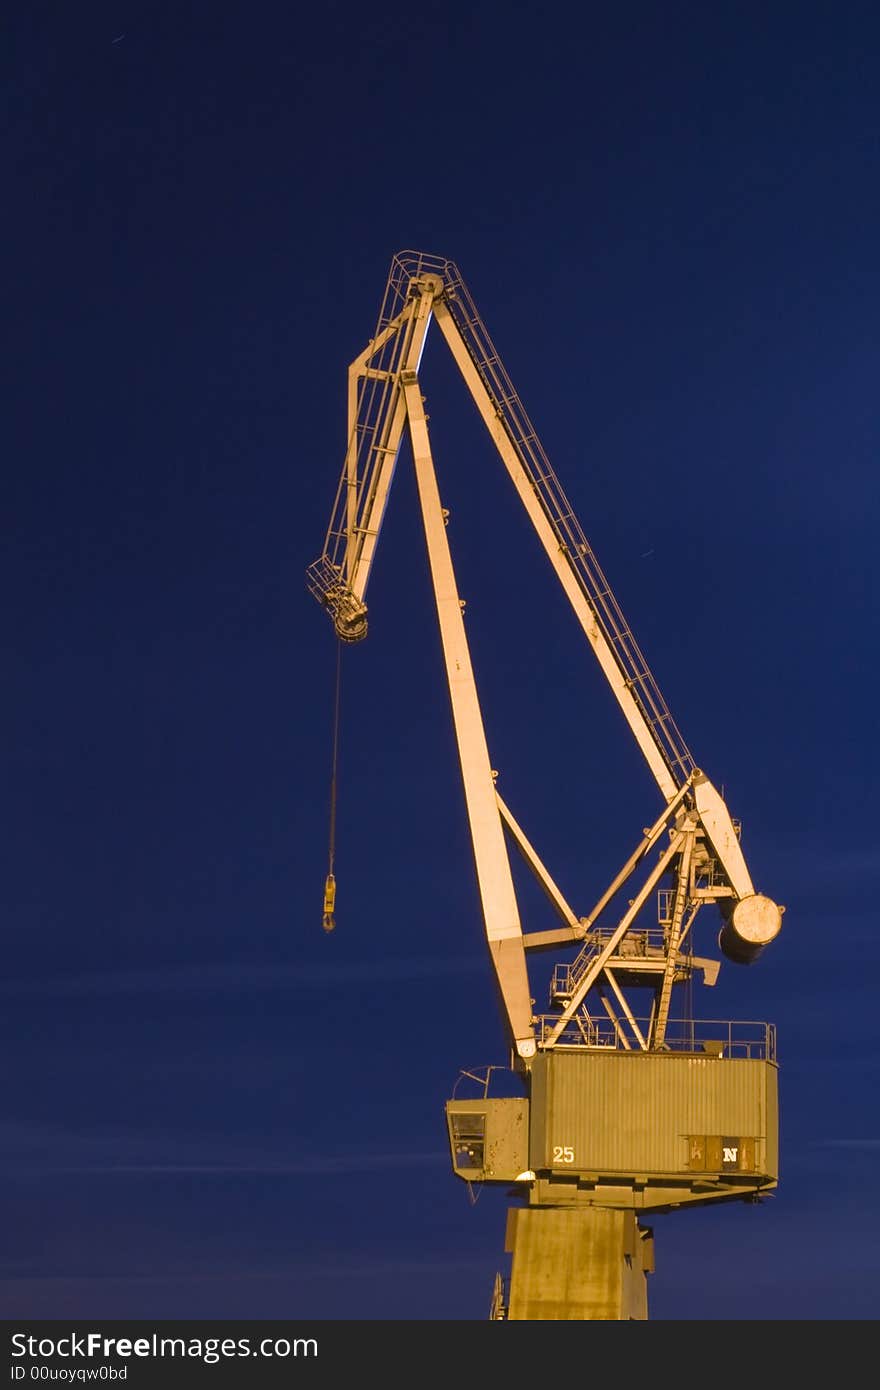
point(577, 1264)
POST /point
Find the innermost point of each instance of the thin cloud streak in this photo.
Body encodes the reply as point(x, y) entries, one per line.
point(220, 978)
point(330, 1167)
point(32, 1152)
point(340, 1267)
point(870, 1145)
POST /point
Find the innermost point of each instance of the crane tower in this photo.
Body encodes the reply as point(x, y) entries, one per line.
point(621, 1107)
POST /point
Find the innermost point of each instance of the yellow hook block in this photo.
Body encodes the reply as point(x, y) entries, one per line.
point(329, 903)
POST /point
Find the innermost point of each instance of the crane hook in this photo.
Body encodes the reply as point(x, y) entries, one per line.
point(329, 922)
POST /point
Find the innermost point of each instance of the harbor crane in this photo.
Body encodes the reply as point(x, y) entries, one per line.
point(621, 1108)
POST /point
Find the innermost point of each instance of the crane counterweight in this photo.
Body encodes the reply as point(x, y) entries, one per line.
point(751, 926)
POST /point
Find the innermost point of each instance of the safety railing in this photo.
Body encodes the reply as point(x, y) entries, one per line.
point(698, 1037)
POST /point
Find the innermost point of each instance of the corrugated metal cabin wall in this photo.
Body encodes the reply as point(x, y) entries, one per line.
point(632, 1111)
point(772, 1141)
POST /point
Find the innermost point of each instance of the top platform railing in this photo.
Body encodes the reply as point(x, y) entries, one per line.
point(697, 1037)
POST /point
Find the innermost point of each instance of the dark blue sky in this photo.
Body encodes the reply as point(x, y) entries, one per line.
point(669, 218)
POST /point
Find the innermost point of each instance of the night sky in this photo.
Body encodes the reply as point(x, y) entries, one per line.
point(669, 218)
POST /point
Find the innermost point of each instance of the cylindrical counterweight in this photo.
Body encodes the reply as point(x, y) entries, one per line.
point(754, 922)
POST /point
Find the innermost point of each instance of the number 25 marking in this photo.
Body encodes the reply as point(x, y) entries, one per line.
point(563, 1153)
